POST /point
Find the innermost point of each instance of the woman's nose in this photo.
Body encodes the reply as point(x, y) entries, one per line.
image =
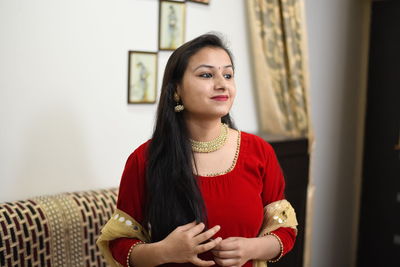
point(220, 82)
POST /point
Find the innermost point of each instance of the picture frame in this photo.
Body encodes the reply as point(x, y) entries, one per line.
point(171, 30)
point(205, 2)
point(142, 77)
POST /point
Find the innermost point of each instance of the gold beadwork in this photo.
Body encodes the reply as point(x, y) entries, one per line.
point(280, 244)
point(213, 145)
point(233, 163)
point(178, 107)
point(176, 97)
point(130, 251)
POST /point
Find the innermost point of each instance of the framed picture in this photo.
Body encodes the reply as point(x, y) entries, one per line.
point(142, 77)
point(206, 2)
point(172, 25)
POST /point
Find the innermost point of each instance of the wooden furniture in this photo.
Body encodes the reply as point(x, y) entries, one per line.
point(294, 159)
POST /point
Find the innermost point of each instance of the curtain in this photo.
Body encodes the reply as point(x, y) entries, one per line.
point(278, 38)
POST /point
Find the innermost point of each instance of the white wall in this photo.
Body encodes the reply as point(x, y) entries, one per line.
point(338, 43)
point(65, 124)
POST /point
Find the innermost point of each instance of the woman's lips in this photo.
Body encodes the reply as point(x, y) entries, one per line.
point(220, 98)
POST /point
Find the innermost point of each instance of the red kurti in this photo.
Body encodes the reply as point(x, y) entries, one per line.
point(235, 200)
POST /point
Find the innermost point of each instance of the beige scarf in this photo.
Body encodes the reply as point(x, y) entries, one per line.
point(277, 214)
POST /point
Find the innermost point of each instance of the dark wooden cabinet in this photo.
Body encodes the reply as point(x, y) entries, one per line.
point(294, 159)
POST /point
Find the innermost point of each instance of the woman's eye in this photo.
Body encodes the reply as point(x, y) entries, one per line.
point(206, 75)
point(228, 76)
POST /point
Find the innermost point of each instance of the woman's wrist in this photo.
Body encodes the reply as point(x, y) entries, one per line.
point(279, 256)
point(255, 248)
point(129, 257)
point(161, 252)
point(264, 248)
point(148, 254)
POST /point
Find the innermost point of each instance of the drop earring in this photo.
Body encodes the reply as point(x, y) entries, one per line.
point(178, 107)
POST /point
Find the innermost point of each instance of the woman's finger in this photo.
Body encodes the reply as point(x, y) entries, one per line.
point(187, 226)
point(195, 230)
point(203, 263)
point(227, 245)
point(225, 254)
point(207, 234)
point(207, 246)
point(227, 262)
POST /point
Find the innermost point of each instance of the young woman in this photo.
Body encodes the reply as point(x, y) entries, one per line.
point(199, 192)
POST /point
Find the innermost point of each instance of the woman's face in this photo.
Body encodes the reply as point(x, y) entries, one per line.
point(208, 86)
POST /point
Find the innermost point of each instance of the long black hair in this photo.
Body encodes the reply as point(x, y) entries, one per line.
point(173, 196)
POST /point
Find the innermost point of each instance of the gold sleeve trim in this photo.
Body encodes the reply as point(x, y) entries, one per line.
point(281, 247)
point(120, 225)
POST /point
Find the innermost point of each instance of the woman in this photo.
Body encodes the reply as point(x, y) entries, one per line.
point(195, 193)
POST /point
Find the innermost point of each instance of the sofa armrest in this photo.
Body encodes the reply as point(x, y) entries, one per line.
point(57, 230)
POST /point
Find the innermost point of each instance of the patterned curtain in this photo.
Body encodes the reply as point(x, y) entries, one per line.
point(278, 41)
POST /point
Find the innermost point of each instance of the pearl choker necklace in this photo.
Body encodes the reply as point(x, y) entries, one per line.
point(213, 145)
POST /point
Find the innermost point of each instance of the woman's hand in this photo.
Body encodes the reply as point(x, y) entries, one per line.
point(236, 251)
point(187, 241)
point(233, 251)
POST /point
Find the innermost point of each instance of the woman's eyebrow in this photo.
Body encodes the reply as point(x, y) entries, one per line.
point(212, 67)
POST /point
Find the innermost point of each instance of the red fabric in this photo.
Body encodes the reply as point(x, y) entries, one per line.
point(234, 200)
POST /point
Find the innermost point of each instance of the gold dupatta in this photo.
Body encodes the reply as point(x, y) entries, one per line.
point(276, 214)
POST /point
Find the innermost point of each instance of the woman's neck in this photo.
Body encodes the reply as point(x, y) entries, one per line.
point(204, 130)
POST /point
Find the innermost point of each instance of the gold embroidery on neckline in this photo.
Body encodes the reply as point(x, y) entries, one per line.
point(233, 163)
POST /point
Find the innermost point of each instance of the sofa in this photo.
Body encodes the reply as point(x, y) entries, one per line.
point(58, 230)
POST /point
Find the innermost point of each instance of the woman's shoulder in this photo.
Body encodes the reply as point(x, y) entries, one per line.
point(142, 149)
point(255, 141)
point(140, 153)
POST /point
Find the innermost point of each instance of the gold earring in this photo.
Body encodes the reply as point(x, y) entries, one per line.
point(176, 97)
point(178, 107)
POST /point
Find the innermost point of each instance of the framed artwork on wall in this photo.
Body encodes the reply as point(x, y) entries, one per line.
point(206, 2)
point(142, 77)
point(171, 24)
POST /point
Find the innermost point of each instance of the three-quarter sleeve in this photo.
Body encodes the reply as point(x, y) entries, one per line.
point(273, 190)
point(131, 200)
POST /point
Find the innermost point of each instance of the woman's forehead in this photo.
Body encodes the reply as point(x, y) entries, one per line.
point(210, 57)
